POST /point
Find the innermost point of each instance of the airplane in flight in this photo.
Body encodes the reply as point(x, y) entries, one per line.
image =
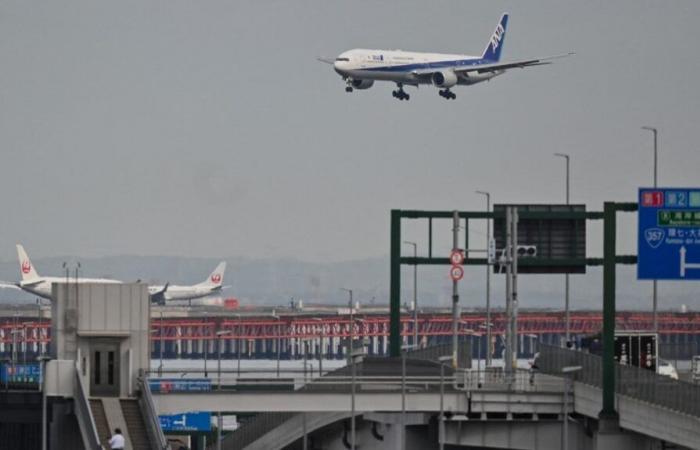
point(38, 285)
point(167, 292)
point(360, 68)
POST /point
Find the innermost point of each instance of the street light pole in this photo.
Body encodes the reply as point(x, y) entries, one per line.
point(160, 333)
point(566, 276)
point(352, 320)
point(415, 291)
point(219, 334)
point(441, 423)
point(206, 344)
point(44, 440)
point(568, 378)
point(488, 280)
point(404, 349)
point(654, 284)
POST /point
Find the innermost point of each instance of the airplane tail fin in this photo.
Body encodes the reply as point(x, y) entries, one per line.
point(216, 278)
point(493, 49)
point(26, 269)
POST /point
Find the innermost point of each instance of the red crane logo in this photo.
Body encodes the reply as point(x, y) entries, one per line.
point(216, 278)
point(26, 267)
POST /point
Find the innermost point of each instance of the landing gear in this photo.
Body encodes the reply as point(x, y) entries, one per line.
point(400, 93)
point(348, 85)
point(447, 94)
point(348, 89)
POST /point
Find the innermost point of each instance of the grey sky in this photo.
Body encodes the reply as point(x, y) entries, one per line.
point(208, 128)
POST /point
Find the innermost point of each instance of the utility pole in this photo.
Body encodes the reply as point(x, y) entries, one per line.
point(488, 281)
point(514, 275)
point(511, 263)
point(566, 276)
point(509, 296)
point(415, 292)
point(455, 293)
point(654, 284)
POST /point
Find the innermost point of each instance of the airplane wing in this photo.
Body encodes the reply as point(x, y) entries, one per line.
point(482, 68)
point(495, 67)
point(8, 285)
point(330, 61)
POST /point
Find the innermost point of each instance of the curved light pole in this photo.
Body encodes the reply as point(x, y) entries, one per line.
point(415, 291)
point(654, 285)
point(488, 280)
point(566, 276)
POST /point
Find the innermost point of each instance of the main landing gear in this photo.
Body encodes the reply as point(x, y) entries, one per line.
point(447, 94)
point(400, 94)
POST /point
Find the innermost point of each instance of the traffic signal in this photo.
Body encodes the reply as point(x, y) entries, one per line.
point(527, 251)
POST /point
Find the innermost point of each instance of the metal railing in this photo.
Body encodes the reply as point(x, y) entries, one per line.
point(633, 382)
point(148, 408)
point(83, 413)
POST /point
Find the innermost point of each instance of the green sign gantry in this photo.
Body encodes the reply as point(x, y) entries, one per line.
point(609, 262)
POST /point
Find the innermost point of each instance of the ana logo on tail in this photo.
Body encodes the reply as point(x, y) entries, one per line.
point(497, 36)
point(216, 278)
point(26, 267)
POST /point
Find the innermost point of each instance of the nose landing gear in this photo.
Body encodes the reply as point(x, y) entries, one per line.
point(447, 94)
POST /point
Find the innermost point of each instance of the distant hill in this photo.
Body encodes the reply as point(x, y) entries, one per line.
point(275, 282)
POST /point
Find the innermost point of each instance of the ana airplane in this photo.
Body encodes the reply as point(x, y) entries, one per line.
point(168, 292)
point(35, 284)
point(360, 68)
point(41, 286)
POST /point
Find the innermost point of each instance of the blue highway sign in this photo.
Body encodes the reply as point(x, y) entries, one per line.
point(191, 421)
point(668, 245)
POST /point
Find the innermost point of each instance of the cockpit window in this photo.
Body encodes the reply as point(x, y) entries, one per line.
point(343, 59)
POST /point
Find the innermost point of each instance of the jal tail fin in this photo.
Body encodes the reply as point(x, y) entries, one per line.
point(26, 268)
point(492, 52)
point(216, 278)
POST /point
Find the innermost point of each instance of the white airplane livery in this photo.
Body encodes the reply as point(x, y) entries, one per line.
point(35, 284)
point(167, 292)
point(360, 68)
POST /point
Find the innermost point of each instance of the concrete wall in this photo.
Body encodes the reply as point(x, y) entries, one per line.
point(89, 313)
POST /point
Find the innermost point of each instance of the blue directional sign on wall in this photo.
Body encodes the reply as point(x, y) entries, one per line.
point(191, 421)
point(669, 234)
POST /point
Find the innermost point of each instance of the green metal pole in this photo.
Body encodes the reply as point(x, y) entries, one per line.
point(609, 229)
point(395, 285)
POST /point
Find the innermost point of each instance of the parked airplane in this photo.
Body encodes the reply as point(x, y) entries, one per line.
point(167, 292)
point(360, 68)
point(33, 283)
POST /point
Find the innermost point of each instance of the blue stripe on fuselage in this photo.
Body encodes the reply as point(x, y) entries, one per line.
point(430, 65)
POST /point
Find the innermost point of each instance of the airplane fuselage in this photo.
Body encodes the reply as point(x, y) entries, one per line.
point(404, 67)
point(42, 286)
point(175, 292)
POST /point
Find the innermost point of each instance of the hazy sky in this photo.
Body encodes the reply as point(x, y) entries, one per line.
point(208, 128)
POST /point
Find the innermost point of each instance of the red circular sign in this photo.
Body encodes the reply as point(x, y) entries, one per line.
point(456, 273)
point(456, 257)
point(26, 267)
point(216, 278)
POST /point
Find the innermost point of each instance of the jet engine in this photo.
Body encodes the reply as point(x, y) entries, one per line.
point(362, 84)
point(444, 79)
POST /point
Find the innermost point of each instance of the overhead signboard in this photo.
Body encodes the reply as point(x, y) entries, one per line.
point(545, 237)
point(668, 245)
point(167, 385)
point(191, 421)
